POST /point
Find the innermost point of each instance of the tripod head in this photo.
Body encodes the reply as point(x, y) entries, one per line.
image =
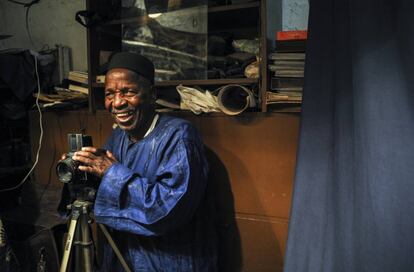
point(85, 192)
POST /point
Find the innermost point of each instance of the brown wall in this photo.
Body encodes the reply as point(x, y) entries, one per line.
point(252, 160)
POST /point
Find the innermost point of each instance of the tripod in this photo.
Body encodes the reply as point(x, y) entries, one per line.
point(79, 235)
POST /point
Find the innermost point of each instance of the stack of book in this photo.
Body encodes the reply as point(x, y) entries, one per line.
point(78, 82)
point(287, 65)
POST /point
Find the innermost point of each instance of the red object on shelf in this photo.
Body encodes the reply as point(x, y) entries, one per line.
point(292, 35)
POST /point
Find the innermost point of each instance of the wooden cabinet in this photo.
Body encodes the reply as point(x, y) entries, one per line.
point(244, 20)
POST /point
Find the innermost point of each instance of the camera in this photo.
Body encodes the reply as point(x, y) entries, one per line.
point(67, 170)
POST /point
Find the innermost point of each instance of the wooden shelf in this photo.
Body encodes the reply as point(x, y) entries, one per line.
point(215, 9)
point(255, 4)
point(223, 81)
point(140, 20)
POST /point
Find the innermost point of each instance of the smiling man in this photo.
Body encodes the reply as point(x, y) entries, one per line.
point(153, 174)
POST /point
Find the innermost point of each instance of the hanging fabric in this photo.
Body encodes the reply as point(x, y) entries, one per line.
point(353, 204)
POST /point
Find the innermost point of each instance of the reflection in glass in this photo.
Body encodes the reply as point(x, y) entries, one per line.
point(171, 33)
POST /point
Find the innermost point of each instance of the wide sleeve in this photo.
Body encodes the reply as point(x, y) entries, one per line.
point(128, 201)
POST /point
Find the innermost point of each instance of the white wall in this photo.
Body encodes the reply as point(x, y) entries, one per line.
point(286, 15)
point(295, 14)
point(51, 22)
point(274, 17)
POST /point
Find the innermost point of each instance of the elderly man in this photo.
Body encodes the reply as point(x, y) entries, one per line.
point(153, 179)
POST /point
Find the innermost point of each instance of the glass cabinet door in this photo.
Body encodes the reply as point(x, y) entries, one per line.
point(171, 33)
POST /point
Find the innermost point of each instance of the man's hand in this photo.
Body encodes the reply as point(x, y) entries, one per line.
point(94, 161)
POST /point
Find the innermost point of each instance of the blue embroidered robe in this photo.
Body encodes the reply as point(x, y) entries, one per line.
point(154, 201)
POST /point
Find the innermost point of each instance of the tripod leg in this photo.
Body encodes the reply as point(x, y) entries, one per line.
point(68, 245)
point(115, 248)
point(79, 235)
point(86, 244)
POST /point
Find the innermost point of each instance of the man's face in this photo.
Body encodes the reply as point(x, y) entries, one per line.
point(127, 98)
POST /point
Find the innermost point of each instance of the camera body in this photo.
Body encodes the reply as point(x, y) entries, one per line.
point(67, 169)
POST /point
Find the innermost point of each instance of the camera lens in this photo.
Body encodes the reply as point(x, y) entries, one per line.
point(66, 170)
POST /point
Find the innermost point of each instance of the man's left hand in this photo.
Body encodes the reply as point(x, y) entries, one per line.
point(94, 161)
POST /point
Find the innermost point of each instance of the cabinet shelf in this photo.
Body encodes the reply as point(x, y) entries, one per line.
point(249, 5)
point(222, 81)
point(190, 82)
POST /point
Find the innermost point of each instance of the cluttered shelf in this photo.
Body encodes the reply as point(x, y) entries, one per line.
point(215, 45)
point(192, 82)
point(287, 69)
point(213, 9)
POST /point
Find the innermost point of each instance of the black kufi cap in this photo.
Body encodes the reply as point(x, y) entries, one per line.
point(134, 62)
